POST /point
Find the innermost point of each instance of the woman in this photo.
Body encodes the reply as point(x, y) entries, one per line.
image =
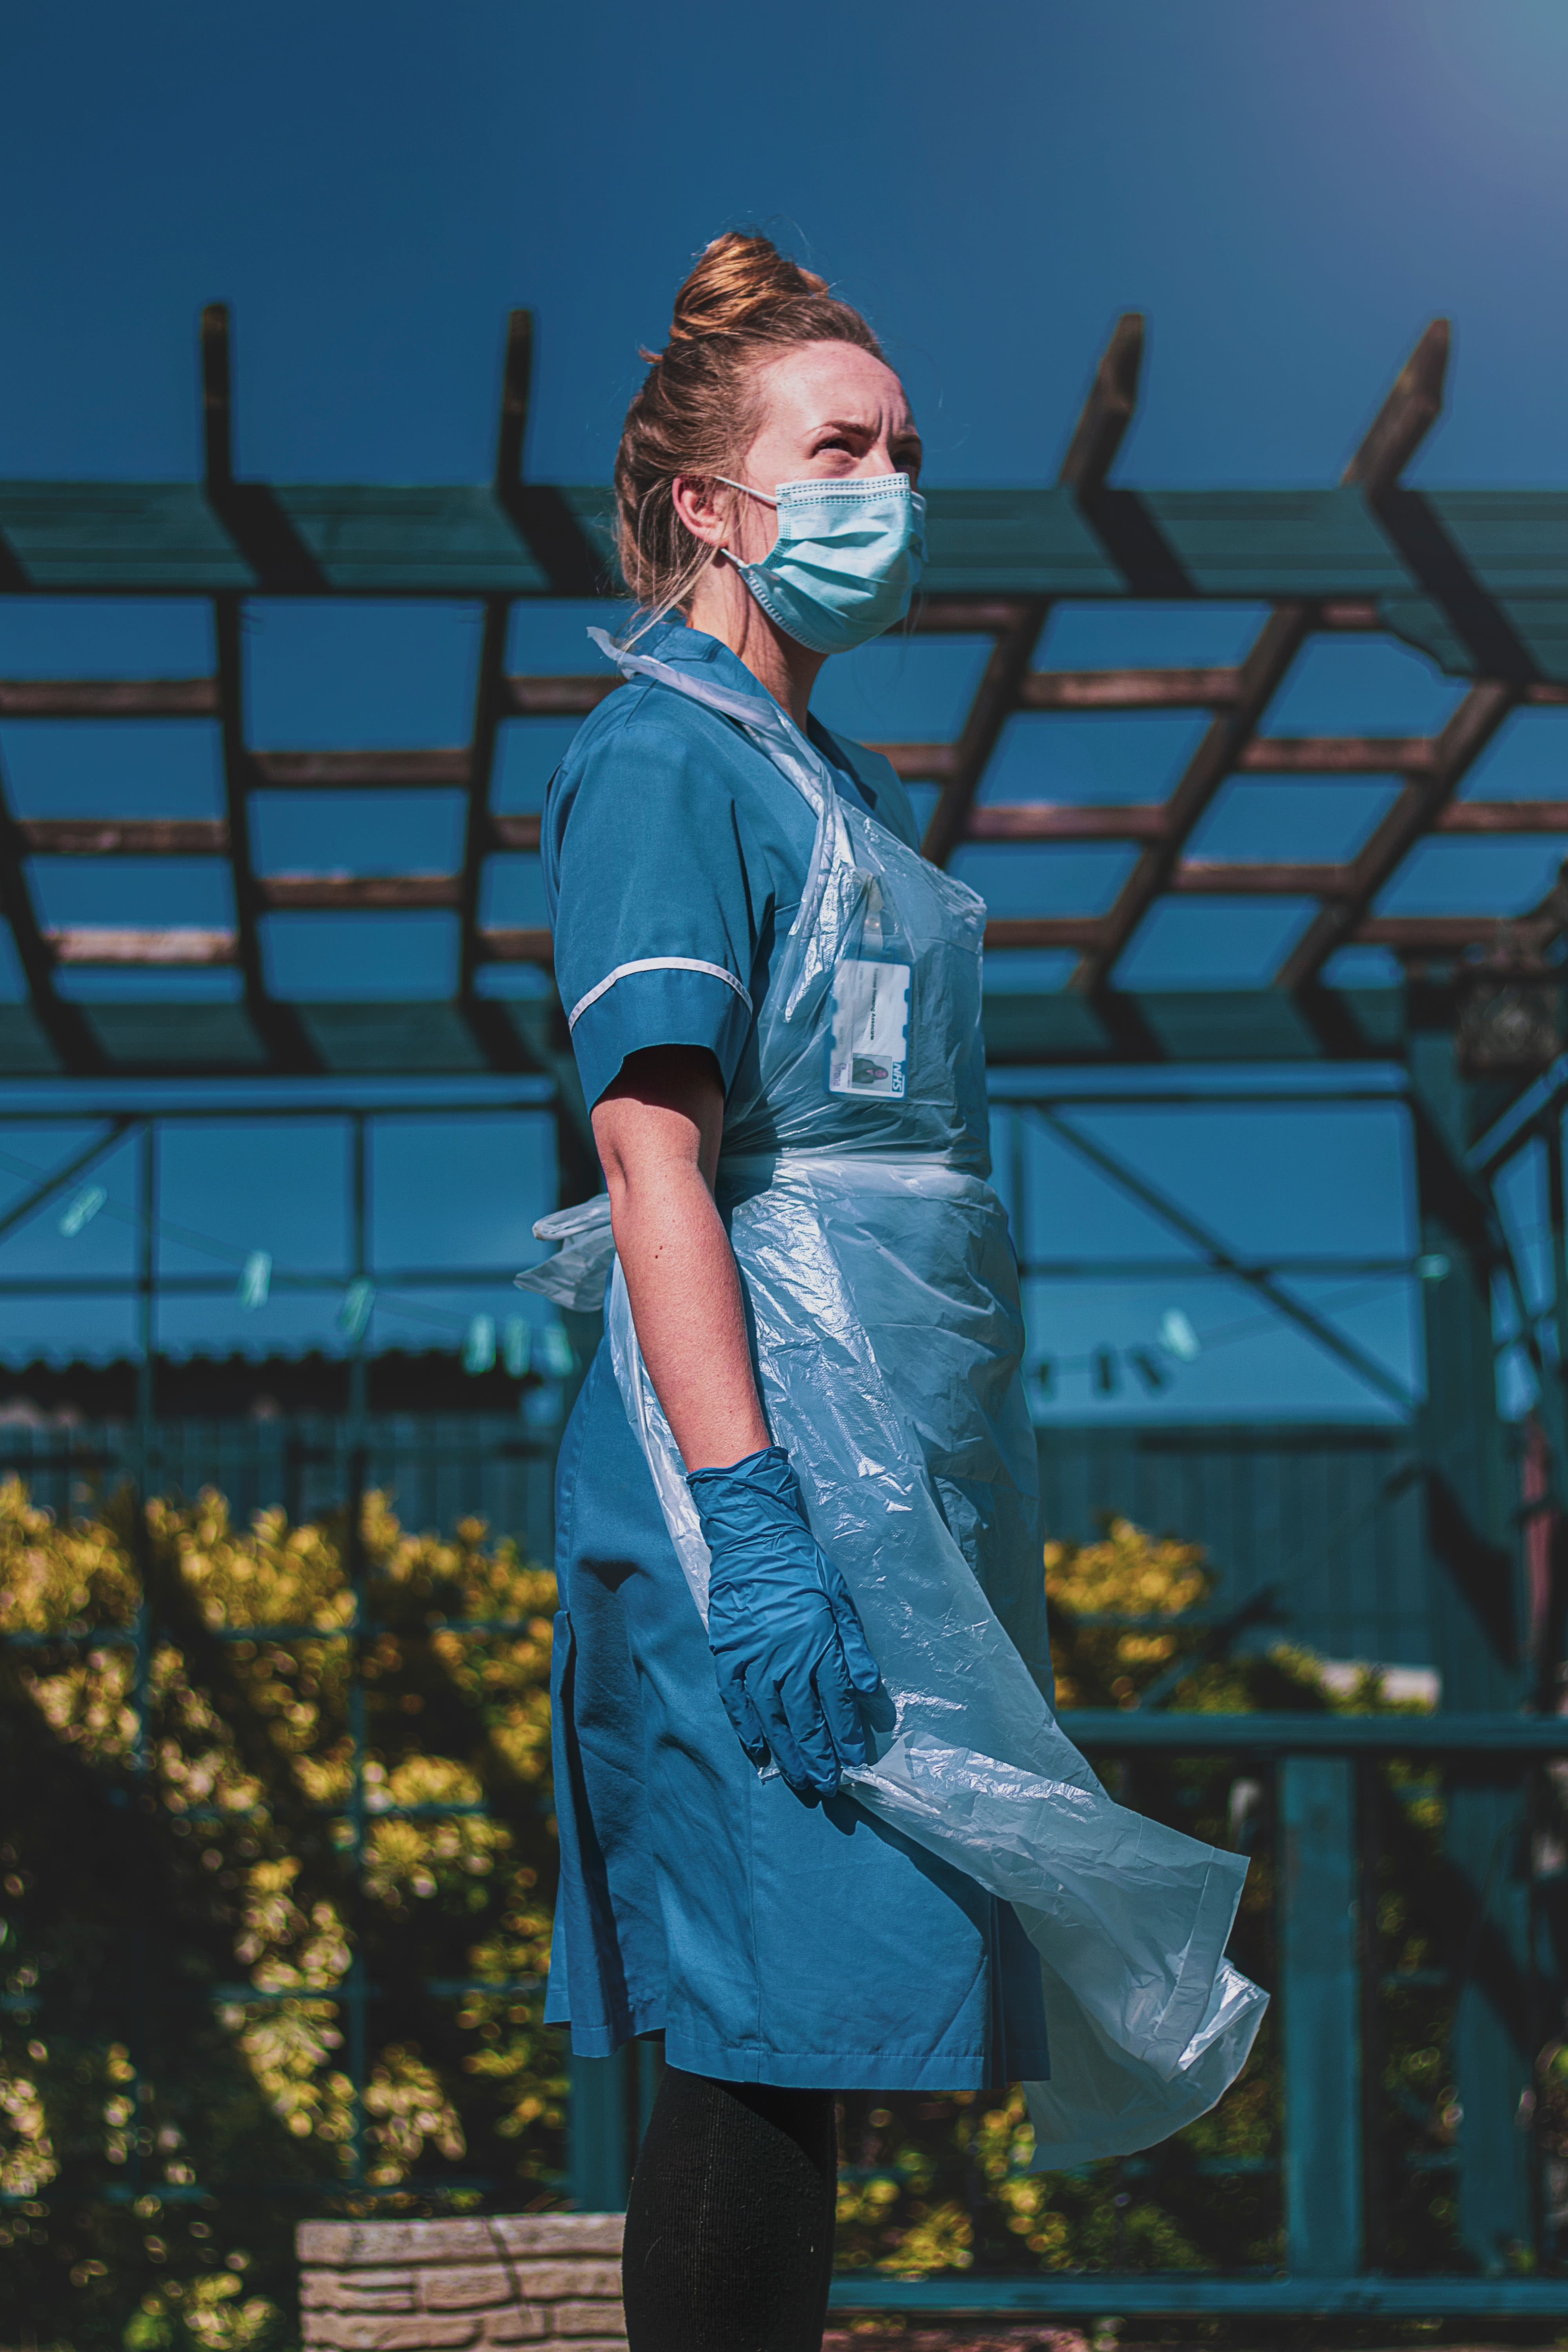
point(818, 1825)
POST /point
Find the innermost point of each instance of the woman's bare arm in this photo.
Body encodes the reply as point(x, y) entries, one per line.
point(657, 1130)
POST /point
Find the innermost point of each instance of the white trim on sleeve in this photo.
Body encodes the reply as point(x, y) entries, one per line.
point(657, 963)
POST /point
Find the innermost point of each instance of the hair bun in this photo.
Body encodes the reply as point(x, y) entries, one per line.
point(738, 279)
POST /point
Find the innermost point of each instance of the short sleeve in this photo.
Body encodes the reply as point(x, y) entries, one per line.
point(654, 882)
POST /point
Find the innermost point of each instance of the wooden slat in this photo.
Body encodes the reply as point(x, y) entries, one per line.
point(156, 836)
point(1503, 817)
point(1431, 934)
point(516, 946)
point(1224, 877)
point(1080, 931)
point(920, 764)
point(965, 616)
point(1060, 821)
point(1348, 614)
point(104, 697)
point(554, 697)
point(1129, 690)
point(1336, 755)
point(515, 832)
point(181, 947)
point(362, 893)
point(363, 770)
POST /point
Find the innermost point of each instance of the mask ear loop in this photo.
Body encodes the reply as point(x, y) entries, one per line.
point(728, 484)
point(742, 566)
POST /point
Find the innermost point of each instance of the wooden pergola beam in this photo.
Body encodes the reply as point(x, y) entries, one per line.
point(175, 949)
point(258, 524)
point(1275, 879)
point(995, 698)
point(67, 1027)
point(1083, 539)
point(495, 1036)
point(1336, 755)
point(371, 771)
point(1065, 821)
point(1129, 690)
point(1041, 931)
point(1502, 816)
point(515, 833)
point(1109, 410)
point(155, 837)
point(359, 893)
point(553, 697)
point(1426, 934)
point(920, 764)
point(516, 944)
point(1097, 436)
point(1406, 416)
point(108, 698)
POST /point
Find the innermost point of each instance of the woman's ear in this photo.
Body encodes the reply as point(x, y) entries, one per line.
point(697, 502)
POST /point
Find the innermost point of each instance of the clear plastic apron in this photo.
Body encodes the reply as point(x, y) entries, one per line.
point(884, 1298)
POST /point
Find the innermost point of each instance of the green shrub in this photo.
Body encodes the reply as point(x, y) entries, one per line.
point(185, 1896)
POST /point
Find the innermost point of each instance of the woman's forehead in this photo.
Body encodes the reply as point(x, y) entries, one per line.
point(817, 383)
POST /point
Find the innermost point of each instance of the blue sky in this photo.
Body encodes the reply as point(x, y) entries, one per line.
point(1289, 192)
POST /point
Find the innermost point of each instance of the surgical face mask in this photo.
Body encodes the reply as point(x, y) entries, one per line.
point(848, 557)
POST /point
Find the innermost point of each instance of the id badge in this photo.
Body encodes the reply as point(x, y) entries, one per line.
point(868, 1051)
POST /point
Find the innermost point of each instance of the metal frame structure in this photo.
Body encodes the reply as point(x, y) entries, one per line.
point(1477, 579)
point(138, 1463)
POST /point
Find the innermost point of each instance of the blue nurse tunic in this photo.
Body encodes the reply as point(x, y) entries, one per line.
point(770, 1937)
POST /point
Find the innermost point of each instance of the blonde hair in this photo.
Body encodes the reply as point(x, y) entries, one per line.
point(696, 412)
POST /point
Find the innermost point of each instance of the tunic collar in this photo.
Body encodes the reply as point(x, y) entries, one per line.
point(681, 647)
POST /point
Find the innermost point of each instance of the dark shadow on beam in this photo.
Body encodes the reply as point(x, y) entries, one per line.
point(250, 512)
point(1440, 567)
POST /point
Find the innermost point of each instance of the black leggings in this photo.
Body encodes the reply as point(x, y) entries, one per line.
point(730, 2220)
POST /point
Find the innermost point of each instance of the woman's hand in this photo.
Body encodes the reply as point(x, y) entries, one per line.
point(657, 1128)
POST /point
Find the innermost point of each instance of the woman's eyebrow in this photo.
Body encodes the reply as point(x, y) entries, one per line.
point(866, 427)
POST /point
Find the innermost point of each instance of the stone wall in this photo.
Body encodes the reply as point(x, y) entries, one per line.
point(532, 2279)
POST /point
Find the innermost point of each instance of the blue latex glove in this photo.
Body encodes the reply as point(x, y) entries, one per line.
point(786, 1635)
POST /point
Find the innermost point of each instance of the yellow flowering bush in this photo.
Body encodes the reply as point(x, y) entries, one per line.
point(197, 1858)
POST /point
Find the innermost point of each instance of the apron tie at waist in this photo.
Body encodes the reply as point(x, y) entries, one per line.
point(746, 1166)
point(576, 1276)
